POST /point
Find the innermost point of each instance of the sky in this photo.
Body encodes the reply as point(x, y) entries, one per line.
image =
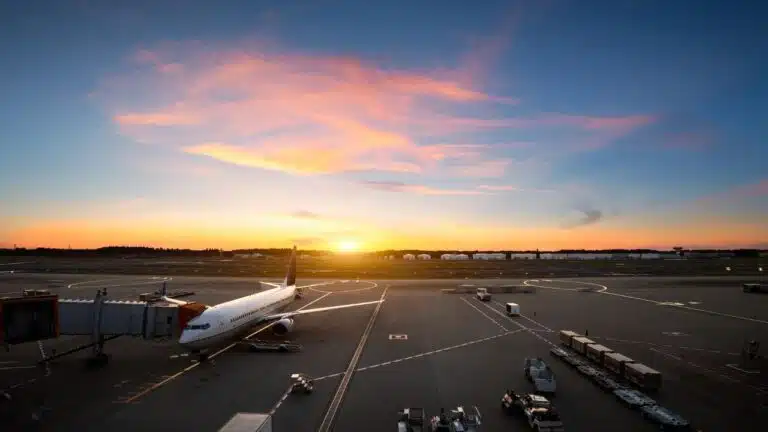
point(436, 124)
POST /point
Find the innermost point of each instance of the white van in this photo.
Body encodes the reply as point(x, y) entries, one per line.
point(513, 309)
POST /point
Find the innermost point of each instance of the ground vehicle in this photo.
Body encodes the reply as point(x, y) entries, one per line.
point(579, 344)
point(566, 336)
point(539, 373)
point(301, 382)
point(513, 309)
point(754, 288)
point(595, 352)
point(573, 361)
point(559, 352)
point(544, 419)
point(483, 294)
point(588, 370)
point(666, 419)
point(515, 403)
point(642, 376)
point(458, 420)
point(615, 362)
point(606, 382)
point(411, 420)
point(633, 398)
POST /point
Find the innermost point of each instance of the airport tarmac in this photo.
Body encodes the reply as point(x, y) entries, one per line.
point(457, 350)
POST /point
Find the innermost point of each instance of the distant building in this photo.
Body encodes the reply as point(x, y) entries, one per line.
point(409, 257)
point(454, 256)
point(424, 257)
point(516, 256)
point(489, 256)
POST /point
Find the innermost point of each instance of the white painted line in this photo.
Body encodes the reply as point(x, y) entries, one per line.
point(8, 362)
point(424, 354)
point(503, 315)
point(666, 354)
point(713, 351)
point(18, 263)
point(330, 414)
point(17, 367)
point(484, 314)
point(373, 285)
point(715, 373)
point(504, 308)
point(604, 290)
point(736, 367)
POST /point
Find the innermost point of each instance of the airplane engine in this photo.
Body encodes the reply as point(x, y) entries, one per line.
point(283, 326)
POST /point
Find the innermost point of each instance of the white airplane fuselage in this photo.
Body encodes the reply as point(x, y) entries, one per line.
point(226, 321)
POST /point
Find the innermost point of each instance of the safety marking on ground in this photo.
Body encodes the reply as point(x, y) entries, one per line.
point(677, 305)
point(4, 368)
point(712, 372)
point(736, 367)
point(713, 351)
point(501, 326)
point(504, 308)
point(373, 285)
point(43, 355)
point(155, 386)
point(398, 337)
point(141, 281)
point(424, 354)
point(674, 333)
point(508, 318)
point(333, 407)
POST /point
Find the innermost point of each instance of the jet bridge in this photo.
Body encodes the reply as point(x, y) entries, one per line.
point(118, 317)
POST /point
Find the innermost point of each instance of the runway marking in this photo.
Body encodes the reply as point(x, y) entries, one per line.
point(18, 263)
point(666, 354)
point(8, 362)
point(484, 314)
point(43, 355)
point(17, 367)
point(212, 356)
point(675, 305)
point(424, 354)
point(398, 337)
point(503, 308)
point(346, 291)
point(330, 414)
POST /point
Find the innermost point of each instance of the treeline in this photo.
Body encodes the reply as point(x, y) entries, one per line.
point(142, 251)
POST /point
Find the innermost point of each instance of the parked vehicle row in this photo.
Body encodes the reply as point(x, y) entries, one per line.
point(615, 376)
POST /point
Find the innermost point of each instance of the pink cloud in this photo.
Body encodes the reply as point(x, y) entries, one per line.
point(418, 189)
point(499, 188)
point(305, 114)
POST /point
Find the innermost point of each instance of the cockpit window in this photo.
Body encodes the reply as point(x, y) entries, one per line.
point(205, 326)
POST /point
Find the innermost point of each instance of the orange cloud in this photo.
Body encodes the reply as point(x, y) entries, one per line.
point(305, 114)
point(417, 189)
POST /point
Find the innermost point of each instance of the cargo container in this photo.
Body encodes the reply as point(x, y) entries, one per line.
point(595, 352)
point(566, 336)
point(615, 362)
point(642, 376)
point(580, 343)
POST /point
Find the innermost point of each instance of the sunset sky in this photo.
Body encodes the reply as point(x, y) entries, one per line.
point(384, 124)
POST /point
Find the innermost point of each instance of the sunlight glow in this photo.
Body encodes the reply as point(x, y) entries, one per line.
point(348, 246)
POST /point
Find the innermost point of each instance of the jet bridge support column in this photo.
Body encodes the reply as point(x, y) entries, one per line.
point(98, 358)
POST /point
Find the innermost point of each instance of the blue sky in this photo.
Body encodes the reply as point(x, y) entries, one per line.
point(391, 124)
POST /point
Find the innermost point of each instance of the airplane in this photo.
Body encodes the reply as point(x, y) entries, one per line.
point(226, 321)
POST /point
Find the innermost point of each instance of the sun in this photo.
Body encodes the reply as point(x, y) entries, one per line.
point(348, 246)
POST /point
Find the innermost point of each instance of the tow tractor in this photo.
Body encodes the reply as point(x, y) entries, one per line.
point(411, 420)
point(515, 403)
point(457, 421)
point(301, 382)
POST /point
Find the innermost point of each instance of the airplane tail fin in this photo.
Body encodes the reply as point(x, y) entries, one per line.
point(290, 278)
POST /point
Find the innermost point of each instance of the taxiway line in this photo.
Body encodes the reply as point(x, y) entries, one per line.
point(484, 314)
point(424, 354)
point(330, 415)
point(214, 355)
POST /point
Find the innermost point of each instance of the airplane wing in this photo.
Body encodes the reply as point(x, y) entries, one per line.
point(291, 314)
